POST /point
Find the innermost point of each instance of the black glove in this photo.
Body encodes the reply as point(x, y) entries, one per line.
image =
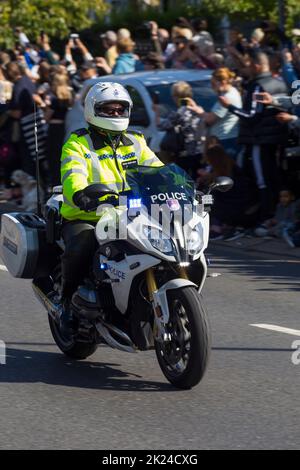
point(84, 202)
point(87, 204)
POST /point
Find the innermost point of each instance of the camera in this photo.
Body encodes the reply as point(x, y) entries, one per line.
point(184, 102)
point(258, 96)
point(143, 31)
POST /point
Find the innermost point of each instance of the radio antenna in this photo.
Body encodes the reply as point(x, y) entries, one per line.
point(37, 165)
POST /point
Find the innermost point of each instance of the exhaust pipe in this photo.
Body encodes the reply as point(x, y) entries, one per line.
point(104, 331)
point(43, 294)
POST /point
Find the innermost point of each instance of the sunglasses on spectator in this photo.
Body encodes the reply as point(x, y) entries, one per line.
point(180, 41)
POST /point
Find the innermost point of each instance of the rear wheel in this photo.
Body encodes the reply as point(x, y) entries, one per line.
point(184, 356)
point(68, 345)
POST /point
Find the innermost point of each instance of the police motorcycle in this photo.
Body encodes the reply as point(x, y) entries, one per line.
point(145, 283)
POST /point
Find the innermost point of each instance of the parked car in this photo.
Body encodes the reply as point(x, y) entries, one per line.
point(144, 88)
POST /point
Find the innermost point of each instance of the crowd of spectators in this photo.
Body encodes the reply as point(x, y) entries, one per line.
point(250, 134)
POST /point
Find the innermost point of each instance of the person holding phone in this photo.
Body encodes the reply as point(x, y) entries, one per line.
point(286, 109)
point(185, 129)
point(223, 124)
point(46, 52)
point(260, 132)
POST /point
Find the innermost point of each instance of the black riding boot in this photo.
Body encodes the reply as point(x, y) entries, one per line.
point(80, 247)
point(67, 322)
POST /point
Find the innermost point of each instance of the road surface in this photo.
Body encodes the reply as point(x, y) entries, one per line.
point(249, 397)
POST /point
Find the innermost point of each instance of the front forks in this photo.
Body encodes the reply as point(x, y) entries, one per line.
point(160, 303)
point(159, 331)
point(182, 272)
point(151, 282)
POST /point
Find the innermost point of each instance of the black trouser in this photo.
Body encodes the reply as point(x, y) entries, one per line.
point(261, 162)
point(80, 247)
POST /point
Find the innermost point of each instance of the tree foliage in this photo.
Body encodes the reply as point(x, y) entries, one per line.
point(56, 17)
point(59, 17)
point(253, 10)
point(238, 11)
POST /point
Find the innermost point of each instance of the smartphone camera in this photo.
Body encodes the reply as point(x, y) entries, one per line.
point(74, 37)
point(259, 96)
point(184, 102)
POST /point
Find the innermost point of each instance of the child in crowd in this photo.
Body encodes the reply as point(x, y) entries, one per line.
point(284, 219)
point(234, 209)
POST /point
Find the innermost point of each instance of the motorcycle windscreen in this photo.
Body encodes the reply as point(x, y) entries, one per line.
point(168, 184)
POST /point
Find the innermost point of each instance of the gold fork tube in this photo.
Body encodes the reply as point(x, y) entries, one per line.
point(151, 283)
point(182, 272)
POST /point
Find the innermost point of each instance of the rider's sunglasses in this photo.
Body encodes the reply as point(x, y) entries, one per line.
point(110, 110)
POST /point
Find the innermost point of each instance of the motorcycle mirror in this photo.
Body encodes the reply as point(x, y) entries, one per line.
point(95, 191)
point(222, 183)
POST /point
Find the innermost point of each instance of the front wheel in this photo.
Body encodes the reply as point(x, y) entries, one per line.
point(184, 357)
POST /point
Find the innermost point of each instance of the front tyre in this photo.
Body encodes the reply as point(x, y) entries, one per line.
point(70, 346)
point(184, 357)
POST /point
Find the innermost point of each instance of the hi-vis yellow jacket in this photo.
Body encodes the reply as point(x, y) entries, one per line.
point(88, 158)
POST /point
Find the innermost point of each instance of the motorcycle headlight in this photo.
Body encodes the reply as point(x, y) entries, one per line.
point(159, 241)
point(194, 242)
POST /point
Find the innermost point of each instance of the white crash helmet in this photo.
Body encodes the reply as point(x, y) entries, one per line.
point(103, 93)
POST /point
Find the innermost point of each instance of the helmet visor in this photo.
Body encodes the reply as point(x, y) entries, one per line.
point(112, 110)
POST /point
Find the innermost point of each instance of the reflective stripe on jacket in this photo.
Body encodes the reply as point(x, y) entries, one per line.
point(87, 158)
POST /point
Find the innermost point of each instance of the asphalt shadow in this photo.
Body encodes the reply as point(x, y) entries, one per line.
point(32, 366)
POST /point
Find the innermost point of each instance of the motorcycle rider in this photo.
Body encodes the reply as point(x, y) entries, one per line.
point(99, 153)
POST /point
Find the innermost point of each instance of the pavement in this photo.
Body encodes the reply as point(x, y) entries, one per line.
point(252, 245)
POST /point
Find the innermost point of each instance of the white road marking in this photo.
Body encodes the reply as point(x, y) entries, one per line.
point(3, 268)
point(280, 329)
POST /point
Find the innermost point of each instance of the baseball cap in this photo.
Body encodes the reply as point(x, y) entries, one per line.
point(110, 35)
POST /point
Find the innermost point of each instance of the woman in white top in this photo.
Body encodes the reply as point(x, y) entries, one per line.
point(223, 124)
